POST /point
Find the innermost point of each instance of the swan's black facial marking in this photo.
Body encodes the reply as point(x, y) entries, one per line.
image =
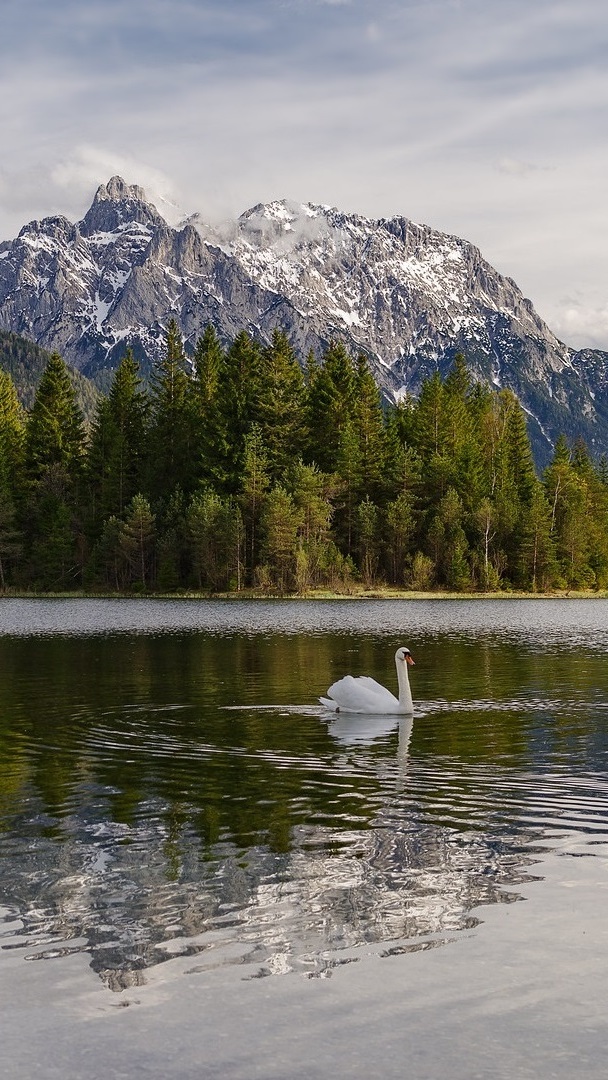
point(406, 656)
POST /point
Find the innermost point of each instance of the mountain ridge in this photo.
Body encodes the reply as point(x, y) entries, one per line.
point(406, 295)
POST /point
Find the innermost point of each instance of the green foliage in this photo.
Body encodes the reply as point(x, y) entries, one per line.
point(239, 470)
point(116, 454)
point(25, 362)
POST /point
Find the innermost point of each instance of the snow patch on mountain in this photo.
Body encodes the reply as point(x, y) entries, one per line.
point(406, 295)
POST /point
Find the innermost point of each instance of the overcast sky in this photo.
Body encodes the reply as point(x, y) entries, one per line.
point(483, 118)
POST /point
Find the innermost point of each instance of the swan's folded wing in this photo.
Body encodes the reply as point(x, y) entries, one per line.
point(361, 695)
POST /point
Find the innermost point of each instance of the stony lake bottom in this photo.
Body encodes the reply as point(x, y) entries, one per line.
point(204, 873)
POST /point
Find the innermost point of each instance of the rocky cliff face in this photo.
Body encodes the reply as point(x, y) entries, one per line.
point(408, 296)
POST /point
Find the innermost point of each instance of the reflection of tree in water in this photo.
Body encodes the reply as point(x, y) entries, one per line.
point(144, 820)
point(133, 897)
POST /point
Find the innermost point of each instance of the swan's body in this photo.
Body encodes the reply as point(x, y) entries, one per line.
point(365, 695)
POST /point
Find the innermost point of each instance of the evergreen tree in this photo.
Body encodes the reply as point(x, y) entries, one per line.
point(537, 553)
point(11, 544)
point(237, 394)
point(209, 435)
point(280, 522)
point(369, 426)
point(12, 434)
point(330, 405)
point(215, 531)
point(278, 408)
point(448, 544)
point(398, 537)
point(171, 444)
point(568, 492)
point(311, 491)
point(117, 449)
point(136, 542)
point(368, 540)
point(12, 441)
point(55, 431)
point(53, 464)
point(254, 487)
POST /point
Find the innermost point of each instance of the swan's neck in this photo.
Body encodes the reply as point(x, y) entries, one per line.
point(405, 694)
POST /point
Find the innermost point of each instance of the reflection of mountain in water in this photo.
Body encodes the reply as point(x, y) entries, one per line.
point(133, 896)
point(141, 818)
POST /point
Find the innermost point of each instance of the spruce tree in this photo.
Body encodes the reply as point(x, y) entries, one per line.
point(136, 542)
point(54, 465)
point(330, 405)
point(369, 423)
point(55, 430)
point(12, 446)
point(278, 408)
point(280, 523)
point(210, 446)
point(171, 439)
point(115, 460)
point(237, 393)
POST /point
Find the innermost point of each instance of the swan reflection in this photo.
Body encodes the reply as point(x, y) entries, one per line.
point(352, 729)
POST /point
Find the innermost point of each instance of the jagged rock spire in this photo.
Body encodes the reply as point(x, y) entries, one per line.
point(117, 203)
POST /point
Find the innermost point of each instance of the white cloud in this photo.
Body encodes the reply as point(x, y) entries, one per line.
point(478, 117)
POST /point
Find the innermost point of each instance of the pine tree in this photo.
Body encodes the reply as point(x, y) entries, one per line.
point(538, 567)
point(398, 536)
point(171, 439)
point(568, 494)
point(255, 482)
point(448, 544)
point(330, 405)
point(136, 541)
point(117, 450)
point(12, 445)
point(280, 524)
point(369, 423)
point(237, 393)
point(215, 531)
point(311, 491)
point(278, 408)
point(55, 431)
point(209, 437)
point(12, 432)
point(11, 544)
point(368, 540)
point(54, 455)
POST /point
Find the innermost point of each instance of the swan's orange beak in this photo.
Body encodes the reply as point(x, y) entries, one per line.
point(410, 659)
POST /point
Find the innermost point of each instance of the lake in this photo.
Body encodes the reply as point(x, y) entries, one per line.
point(204, 873)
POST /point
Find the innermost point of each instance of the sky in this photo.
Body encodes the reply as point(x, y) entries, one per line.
point(487, 119)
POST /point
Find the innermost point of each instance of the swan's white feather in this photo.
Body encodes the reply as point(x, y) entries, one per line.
point(365, 695)
point(360, 694)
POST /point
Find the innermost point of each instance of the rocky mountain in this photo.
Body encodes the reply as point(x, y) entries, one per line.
point(407, 295)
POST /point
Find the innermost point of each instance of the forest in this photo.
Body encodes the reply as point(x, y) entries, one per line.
point(240, 468)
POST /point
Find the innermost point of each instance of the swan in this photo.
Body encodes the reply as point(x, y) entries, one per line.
point(365, 695)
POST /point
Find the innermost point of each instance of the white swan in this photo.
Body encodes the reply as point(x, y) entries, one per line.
point(365, 695)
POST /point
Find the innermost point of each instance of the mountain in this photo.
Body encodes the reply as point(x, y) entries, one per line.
point(408, 296)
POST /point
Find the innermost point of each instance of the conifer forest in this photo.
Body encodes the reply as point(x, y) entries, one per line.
point(239, 468)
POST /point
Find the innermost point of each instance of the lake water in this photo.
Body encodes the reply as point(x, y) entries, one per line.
point(203, 873)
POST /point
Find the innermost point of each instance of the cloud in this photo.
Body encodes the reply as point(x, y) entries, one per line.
point(430, 108)
point(513, 167)
point(579, 323)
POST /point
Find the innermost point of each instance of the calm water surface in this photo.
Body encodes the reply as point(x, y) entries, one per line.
point(176, 806)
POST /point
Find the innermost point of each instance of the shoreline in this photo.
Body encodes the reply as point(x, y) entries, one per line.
point(314, 594)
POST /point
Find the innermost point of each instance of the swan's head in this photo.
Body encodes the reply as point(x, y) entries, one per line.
point(404, 655)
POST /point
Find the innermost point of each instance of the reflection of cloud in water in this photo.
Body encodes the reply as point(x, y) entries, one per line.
point(134, 897)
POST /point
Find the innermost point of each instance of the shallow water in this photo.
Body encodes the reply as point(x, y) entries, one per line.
point(178, 812)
